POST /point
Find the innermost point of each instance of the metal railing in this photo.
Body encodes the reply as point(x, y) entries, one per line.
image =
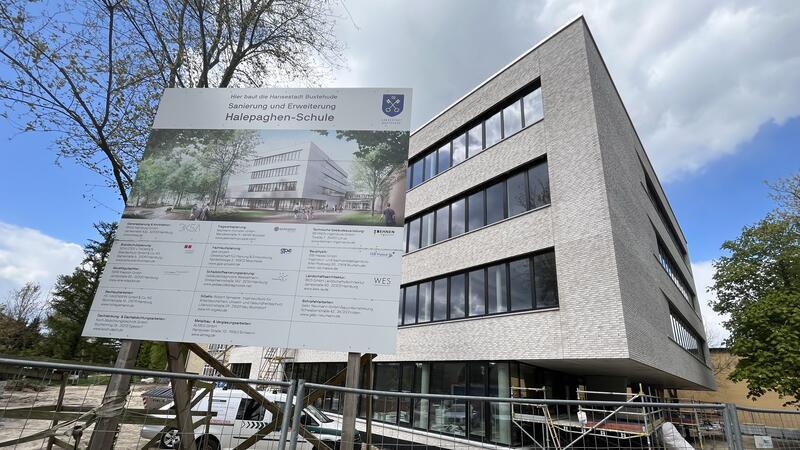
point(50, 404)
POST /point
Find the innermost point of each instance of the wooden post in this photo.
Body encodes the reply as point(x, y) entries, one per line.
point(181, 393)
point(59, 404)
point(350, 401)
point(119, 385)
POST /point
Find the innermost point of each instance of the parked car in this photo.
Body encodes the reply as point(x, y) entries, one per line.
point(239, 417)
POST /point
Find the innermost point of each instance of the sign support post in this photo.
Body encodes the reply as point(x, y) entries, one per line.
point(181, 392)
point(350, 401)
point(118, 386)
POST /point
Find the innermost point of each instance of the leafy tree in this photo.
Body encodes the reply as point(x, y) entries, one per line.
point(757, 282)
point(152, 355)
point(91, 73)
point(374, 174)
point(20, 320)
point(225, 151)
point(71, 299)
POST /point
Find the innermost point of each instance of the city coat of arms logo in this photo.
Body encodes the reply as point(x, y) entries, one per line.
point(392, 104)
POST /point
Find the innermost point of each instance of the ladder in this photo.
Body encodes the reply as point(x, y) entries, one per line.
point(273, 360)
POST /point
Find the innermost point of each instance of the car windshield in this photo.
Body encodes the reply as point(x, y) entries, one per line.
point(317, 414)
point(312, 411)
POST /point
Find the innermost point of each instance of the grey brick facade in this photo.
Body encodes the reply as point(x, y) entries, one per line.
point(613, 317)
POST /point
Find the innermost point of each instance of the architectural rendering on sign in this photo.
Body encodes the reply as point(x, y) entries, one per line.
point(541, 252)
point(345, 177)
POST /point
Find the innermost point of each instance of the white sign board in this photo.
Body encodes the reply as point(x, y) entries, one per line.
point(267, 217)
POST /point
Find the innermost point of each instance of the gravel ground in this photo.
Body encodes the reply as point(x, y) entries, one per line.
point(74, 396)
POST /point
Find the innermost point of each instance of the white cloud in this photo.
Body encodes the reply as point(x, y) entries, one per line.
point(698, 78)
point(703, 272)
point(27, 254)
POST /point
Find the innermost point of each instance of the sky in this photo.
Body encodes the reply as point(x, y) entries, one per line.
point(713, 89)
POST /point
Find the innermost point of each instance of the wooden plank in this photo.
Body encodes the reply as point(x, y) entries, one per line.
point(59, 405)
point(181, 395)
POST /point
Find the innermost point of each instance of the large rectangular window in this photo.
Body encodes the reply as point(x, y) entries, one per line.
point(457, 296)
point(442, 223)
point(475, 210)
point(477, 293)
point(413, 234)
point(512, 119)
point(430, 166)
point(410, 316)
point(544, 269)
point(440, 299)
point(459, 149)
point(686, 337)
point(495, 203)
point(532, 106)
point(457, 218)
point(418, 172)
point(444, 157)
point(475, 140)
point(497, 289)
point(517, 194)
point(427, 230)
point(669, 265)
point(539, 185)
point(493, 129)
point(425, 302)
point(520, 285)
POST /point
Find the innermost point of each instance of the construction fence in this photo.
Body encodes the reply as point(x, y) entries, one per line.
point(56, 405)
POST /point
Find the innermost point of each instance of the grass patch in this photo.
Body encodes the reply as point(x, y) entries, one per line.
point(360, 218)
point(242, 215)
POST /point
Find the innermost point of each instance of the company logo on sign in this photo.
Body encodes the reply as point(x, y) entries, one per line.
point(383, 232)
point(392, 104)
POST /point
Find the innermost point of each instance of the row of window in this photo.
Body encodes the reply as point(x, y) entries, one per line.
point(524, 190)
point(519, 113)
point(269, 187)
point(686, 337)
point(477, 420)
point(276, 172)
point(662, 213)
point(672, 270)
point(518, 285)
point(280, 157)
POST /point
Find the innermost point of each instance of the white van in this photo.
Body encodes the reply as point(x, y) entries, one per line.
point(239, 417)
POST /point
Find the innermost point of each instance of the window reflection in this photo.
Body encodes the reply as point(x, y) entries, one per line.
point(515, 115)
point(427, 230)
point(539, 185)
point(442, 223)
point(493, 130)
point(425, 298)
point(532, 104)
point(512, 119)
point(475, 210)
point(544, 269)
point(497, 289)
point(495, 203)
point(440, 299)
point(517, 194)
point(457, 297)
point(459, 149)
point(477, 293)
point(413, 234)
point(444, 157)
point(457, 217)
point(520, 285)
point(410, 315)
point(475, 140)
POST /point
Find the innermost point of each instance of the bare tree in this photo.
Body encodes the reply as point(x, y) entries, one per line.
point(92, 73)
point(20, 318)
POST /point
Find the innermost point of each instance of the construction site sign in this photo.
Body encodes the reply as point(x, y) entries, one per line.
point(266, 217)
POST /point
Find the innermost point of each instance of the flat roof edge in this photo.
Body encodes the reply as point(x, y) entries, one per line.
point(503, 69)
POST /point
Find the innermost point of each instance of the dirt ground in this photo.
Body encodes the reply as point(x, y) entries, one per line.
point(74, 396)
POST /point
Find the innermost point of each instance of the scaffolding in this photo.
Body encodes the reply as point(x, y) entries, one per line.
point(633, 420)
point(273, 363)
